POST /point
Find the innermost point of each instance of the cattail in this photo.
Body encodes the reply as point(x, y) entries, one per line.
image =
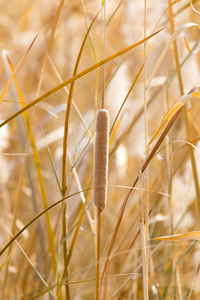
point(101, 159)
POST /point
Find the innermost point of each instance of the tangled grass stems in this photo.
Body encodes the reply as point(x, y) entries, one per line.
point(110, 272)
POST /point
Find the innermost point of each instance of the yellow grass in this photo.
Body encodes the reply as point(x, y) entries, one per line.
point(147, 242)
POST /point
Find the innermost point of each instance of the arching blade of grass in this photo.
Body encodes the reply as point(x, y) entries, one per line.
point(188, 47)
point(166, 119)
point(195, 10)
point(40, 177)
point(186, 6)
point(37, 217)
point(77, 76)
point(173, 3)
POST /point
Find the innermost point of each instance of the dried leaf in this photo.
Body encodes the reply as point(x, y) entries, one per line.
point(188, 47)
point(193, 235)
point(171, 112)
point(193, 7)
point(196, 94)
point(167, 47)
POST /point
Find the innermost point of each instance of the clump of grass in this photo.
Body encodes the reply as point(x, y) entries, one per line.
point(146, 243)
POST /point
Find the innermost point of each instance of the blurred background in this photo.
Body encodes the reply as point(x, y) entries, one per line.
point(173, 201)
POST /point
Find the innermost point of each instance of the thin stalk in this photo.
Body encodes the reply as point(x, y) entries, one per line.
point(98, 215)
point(104, 52)
point(103, 105)
point(170, 178)
point(65, 246)
point(99, 219)
point(143, 241)
point(127, 95)
point(145, 196)
point(105, 282)
point(96, 211)
point(64, 158)
point(50, 42)
point(179, 76)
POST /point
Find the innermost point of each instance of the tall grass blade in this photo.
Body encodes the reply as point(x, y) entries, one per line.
point(193, 235)
point(77, 76)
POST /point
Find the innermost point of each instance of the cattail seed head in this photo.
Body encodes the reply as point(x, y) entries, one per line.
point(101, 159)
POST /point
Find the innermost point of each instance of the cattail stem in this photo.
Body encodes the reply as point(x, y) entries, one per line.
point(104, 54)
point(101, 159)
point(98, 255)
point(100, 178)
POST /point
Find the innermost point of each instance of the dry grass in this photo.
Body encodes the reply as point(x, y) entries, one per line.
point(48, 112)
